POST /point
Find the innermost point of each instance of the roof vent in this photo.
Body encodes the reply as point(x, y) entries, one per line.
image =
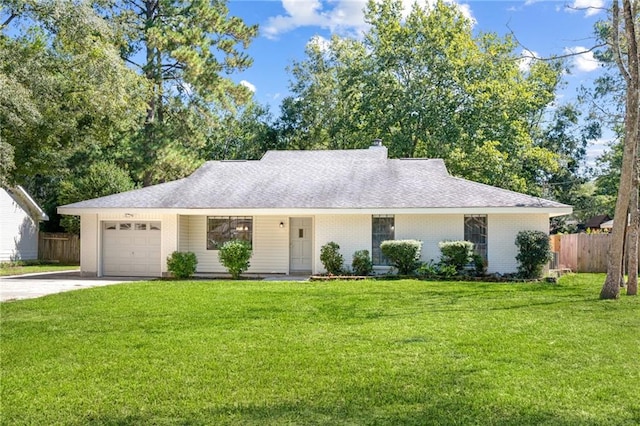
point(376, 143)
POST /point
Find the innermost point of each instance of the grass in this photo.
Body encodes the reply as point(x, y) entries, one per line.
point(351, 352)
point(30, 267)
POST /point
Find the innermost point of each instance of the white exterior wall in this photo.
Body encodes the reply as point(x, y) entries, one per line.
point(430, 229)
point(351, 232)
point(270, 245)
point(501, 235)
point(90, 238)
point(18, 231)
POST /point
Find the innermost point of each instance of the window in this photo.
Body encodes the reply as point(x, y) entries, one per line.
point(141, 226)
point(125, 227)
point(475, 230)
point(382, 229)
point(221, 229)
point(110, 226)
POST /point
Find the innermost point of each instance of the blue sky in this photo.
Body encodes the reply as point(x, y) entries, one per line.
point(286, 26)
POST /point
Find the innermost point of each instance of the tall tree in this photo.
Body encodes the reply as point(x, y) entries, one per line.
point(183, 49)
point(429, 87)
point(65, 93)
point(623, 38)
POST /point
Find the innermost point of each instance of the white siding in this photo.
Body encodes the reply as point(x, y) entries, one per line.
point(90, 241)
point(183, 233)
point(501, 236)
point(270, 245)
point(351, 232)
point(430, 229)
point(169, 239)
point(18, 231)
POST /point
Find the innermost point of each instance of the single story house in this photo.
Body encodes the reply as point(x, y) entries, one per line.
point(20, 216)
point(288, 204)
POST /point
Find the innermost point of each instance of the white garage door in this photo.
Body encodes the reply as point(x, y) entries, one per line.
point(131, 249)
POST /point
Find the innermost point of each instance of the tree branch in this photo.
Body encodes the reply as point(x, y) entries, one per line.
point(616, 44)
point(8, 20)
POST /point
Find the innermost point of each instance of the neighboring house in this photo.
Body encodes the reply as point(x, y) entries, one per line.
point(595, 223)
point(19, 219)
point(290, 203)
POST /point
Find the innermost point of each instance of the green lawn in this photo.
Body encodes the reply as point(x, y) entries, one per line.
point(28, 267)
point(361, 352)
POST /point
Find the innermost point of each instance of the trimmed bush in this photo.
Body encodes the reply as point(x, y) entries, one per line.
point(403, 254)
point(331, 258)
point(182, 264)
point(234, 255)
point(456, 253)
point(533, 253)
point(361, 263)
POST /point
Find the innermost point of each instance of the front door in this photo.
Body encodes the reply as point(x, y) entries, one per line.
point(300, 244)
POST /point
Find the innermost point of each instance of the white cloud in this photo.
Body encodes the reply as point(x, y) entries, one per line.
point(590, 7)
point(248, 85)
point(582, 60)
point(527, 58)
point(337, 16)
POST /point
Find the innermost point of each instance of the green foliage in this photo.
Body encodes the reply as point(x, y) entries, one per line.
point(182, 265)
point(331, 258)
point(403, 254)
point(480, 267)
point(533, 253)
point(235, 255)
point(456, 253)
point(429, 86)
point(362, 264)
point(99, 179)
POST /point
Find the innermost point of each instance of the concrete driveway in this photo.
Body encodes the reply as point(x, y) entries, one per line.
point(30, 286)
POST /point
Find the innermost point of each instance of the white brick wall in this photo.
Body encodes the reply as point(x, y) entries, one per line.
point(502, 231)
point(430, 229)
point(351, 232)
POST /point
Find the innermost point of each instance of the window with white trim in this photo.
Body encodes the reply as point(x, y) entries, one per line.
point(221, 229)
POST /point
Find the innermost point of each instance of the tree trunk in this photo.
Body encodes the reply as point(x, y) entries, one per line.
point(611, 287)
point(634, 227)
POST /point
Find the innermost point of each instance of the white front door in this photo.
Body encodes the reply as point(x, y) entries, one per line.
point(301, 245)
point(131, 249)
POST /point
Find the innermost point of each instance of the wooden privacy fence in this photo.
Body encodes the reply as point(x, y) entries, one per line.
point(59, 247)
point(581, 252)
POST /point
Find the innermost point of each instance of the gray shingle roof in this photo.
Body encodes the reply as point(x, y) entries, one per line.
point(346, 179)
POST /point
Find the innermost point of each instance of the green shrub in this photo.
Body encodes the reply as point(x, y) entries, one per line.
point(234, 255)
point(331, 258)
point(403, 254)
point(456, 253)
point(427, 270)
point(533, 253)
point(361, 263)
point(479, 265)
point(182, 264)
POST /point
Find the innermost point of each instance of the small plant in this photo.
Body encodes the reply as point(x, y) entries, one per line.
point(182, 264)
point(479, 265)
point(361, 263)
point(533, 253)
point(331, 258)
point(234, 255)
point(403, 254)
point(456, 253)
point(447, 271)
point(427, 270)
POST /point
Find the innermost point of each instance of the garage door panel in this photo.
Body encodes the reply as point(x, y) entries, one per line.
point(131, 249)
